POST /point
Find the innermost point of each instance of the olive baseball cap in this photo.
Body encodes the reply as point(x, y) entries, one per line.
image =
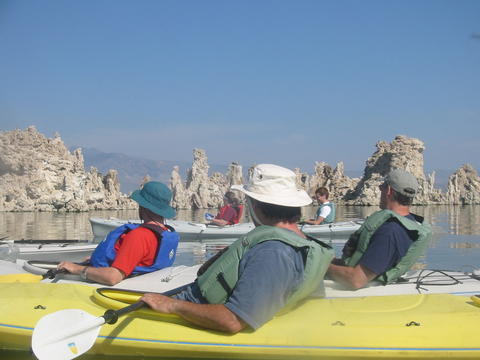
point(402, 182)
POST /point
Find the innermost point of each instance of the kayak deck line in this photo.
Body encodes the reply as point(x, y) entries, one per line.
point(264, 346)
point(286, 346)
point(16, 327)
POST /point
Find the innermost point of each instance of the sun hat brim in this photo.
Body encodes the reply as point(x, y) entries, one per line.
point(166, 210)
point(295, 198)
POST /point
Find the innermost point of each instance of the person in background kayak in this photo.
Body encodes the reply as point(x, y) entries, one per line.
point(132, 248)
point(228, 213)
point(272, 267)
point(326, 211)
point(389, 242)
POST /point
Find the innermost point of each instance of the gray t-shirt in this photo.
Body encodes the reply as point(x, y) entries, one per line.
point(268, 274)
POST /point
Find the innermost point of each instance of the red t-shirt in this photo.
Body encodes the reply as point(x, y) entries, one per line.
point(227, 213)
point(136, 248)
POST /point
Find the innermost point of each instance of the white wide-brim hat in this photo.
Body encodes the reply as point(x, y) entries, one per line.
point(276, 185)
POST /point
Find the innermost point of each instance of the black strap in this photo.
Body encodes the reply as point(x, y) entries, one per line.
point(223, 282)
point(325, 245)
point(157, 230)
point(210, 261)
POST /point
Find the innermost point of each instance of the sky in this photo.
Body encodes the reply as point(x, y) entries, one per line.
point(251, 81)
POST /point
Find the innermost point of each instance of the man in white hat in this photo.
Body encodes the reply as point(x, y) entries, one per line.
point(389, 242)
point(132, 248)
point(272, 267)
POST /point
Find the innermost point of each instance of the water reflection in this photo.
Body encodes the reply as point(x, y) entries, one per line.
point(455, 244)
point(464, 220)
point(464, 245)
point(453, 219)
point(456, 230)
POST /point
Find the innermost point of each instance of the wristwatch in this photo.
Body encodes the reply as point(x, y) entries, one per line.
point(83, 274)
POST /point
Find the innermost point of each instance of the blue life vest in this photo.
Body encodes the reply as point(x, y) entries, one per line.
point(105, 252)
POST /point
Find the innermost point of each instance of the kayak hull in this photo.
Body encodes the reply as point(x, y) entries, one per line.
point(46, 250)
point(404, 326)
point(78, 251)
point(191, 231)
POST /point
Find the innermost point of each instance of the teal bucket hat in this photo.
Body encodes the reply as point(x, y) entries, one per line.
point(156, 197)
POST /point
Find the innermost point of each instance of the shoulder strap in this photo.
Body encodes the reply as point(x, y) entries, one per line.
point(157, 229)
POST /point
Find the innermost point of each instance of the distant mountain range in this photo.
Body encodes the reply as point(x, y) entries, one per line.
point(132, 170)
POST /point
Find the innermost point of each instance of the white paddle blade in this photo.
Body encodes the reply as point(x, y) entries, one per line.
point(65, 334)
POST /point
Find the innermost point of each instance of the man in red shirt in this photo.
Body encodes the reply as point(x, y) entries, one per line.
point(136, 250)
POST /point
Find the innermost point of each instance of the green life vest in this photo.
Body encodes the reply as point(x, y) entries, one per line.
point(221, 276)
point(330, 217)
point(419, 231)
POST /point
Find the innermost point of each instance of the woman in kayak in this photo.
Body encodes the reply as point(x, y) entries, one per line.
point(229, 213)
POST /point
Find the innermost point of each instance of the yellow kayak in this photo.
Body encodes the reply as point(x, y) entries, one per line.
point(436, 326)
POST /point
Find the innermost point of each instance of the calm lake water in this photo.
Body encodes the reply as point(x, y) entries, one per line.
point(456, 241)
point(455, 245)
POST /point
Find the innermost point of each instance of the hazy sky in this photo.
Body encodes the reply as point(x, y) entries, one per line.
point(286, 82)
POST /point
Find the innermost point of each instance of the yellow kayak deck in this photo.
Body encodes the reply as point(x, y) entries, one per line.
point(402, 326)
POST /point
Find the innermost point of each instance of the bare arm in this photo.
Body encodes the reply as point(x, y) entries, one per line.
point(103, 275)
point(210, 316)
point(316, 221)
point(219, 222)
point(353, 277)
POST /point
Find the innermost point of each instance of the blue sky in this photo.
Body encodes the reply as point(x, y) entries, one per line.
point(286, 82)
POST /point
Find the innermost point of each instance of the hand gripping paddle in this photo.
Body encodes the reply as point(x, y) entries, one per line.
point(66, 334)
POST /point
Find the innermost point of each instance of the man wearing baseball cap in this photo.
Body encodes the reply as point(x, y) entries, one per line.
point(389, 242)
point(132, 248)
point(272, 267)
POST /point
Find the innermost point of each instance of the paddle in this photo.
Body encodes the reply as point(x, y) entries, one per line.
point(66, 334)
point(35, 266)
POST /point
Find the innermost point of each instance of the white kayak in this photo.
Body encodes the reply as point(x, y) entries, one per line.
point(46, 250)
point(158, 281)
point(192, 231)
point(77, 251)
point(413, 282)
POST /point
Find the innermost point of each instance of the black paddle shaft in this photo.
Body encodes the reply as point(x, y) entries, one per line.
point(111, 316)
point(52, 273)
